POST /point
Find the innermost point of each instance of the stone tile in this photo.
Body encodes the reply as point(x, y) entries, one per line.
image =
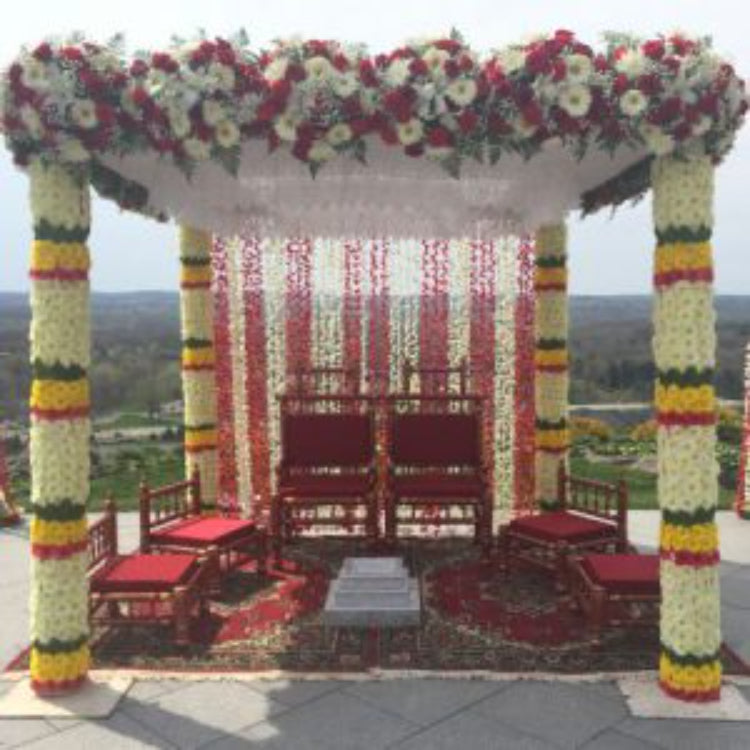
point(564, 714)
point(19, 731)
point(147, 690)
point(202, 711)
point(336, 721)
point(673, 734)
point(424, 701)
point(735, 630)
point(118, 733)
point(472, 731)
point(735, 589)
point(295, 692)
point(611, 739)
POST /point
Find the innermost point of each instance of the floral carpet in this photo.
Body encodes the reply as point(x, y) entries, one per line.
point(474, 619)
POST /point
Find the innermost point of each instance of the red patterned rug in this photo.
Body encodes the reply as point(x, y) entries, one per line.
point(474, 619)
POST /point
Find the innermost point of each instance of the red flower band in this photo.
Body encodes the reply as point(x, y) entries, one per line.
point(58, 551)
point(693, 275)
point(694, 696)
point(691, 559)
point(686, 419)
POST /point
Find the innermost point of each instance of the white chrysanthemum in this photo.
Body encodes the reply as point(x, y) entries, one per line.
point(83, 114)
point(222, 76)
point(197, 149)
point(72, 151)
point(321, 151)
point(212, 111)
point(435, 58)
point(286, 127)
point(178, 121)
point(156, 81)
point(633, 102)
point(657, 141)
point(397, 72)
point(318, 69)
point(31, 120)
point(633, 63)
point(410, 132)
point(579, 68)
point(462, 91)
point(344, 84)
point(703, 125)
point(276, 69)
point(339, 134)
point(34, 75)
point(575, 100)
point(512, 59)
point(523, 127)
point(227, 134)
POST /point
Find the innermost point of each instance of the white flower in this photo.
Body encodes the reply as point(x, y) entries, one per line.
point(633, 63)
point(410, 132)
point(575, 100)
point(369, 100)
point(227, 134)
point(178, 121)
point(339, 134)
point(579, 68)
point(397, 72)
point(212, 112)
point(72, 151)
point(344, 84)
point(318, 69)
point(523, 127)
point(703, 125)
point(462, 91)
point(31, 120)
point(223, 76)
point(512, 59)
point(434, 58)
point(657, 141)
point(196, 149)
point(321, 151)
point(83, 114)
point(156, 80)
point(276, 69)
point(286, 127)
point(34, 75)
point(633, 102)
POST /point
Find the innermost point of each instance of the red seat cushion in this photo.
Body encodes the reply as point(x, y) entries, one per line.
point(326, 485)
point(134, 573)
point(437, 485)
point(559, 526)
point(624, 574)
point(204, 531)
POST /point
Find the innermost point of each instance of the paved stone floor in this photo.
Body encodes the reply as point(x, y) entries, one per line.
point(371, 713)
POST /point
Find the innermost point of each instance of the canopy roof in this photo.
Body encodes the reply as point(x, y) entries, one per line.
point(429, 139)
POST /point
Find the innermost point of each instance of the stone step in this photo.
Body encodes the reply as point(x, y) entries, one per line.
point(370, 583)
point(373, 599)
point(373, 567)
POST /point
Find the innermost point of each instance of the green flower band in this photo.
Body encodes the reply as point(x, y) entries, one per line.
point(688, 518)
point(549, 345)
point(682, 234)
point(196, 261)
point(64, 510)
point(692, 376)
point(200, 427)
point(547, 424)
point(42, 371)
point(56, 646)
point(192, 343)
point(550, 261)
point(691, 660)
point(46, 231)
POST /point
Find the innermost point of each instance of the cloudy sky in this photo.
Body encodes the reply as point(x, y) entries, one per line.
point(610, 255)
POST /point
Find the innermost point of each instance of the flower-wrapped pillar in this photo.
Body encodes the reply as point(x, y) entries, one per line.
point(684, 352)
point(60, 428)
point(198, 360)
point(551, 361)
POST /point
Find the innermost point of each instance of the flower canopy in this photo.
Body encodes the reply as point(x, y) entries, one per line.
point(217, 135)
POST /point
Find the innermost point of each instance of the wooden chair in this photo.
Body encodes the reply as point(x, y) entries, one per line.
point(326, 476)
point(618, 590)
point(436, 465)
point(146, 589)
point(172, 518)
point(591, 517)
point(435, 380)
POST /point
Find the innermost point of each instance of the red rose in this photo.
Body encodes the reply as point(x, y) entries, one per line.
point(105, 114)
point(388, 134)
point(467, 121)
point(118, 80)
point(317, 47)
point(448, 45)
point(140, 97)
point(451, 68)
point(138, 68)
point(301, 149)
point(653, 49)
point(621, 84)
point(650, 84)
point(367, 74)
point(465, 63)
point(72, 53)
point(538, 61)
point(225, 54)
point(682, 131)
point(398, 104)
point(708, 104)
point(564, 36)
point(414, 150)
point(361, 126)
point(440, 137)
point(43, 52)
point(498, 125)
point(295, 72)
point(268, 110)
point(280, 90)
point(672, 63)
point(559, 69)
point(681, 46)
point(340, 62)
point(418, 67)
point(532, 113)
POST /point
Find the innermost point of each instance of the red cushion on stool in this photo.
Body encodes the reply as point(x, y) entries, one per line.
point(561, 526)
point(625, 573)
point(135, 573)
point(201, 532)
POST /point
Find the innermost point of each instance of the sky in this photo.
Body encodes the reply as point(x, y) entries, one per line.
point(608, 254)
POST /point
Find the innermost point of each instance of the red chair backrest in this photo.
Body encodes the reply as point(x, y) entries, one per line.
point(435, 440)
point(310, 440)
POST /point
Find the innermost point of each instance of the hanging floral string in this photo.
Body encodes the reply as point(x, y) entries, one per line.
point(742, 498)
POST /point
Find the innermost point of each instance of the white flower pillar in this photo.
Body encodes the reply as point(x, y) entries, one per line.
point(552, 439)
point(60, 428)
point(198, 360)
point(684, 352)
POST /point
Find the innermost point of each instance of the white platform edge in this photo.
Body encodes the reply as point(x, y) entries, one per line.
point(96, 699)
point(646, 700)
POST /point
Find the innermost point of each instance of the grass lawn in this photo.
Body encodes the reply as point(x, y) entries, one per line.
point(129, 420)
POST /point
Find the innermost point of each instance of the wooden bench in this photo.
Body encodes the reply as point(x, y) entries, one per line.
point(172, 518)
point(146, 589)
point(591, 517)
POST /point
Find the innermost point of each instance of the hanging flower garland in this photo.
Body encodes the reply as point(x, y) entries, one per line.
point(60, 427)
point(685, 402)
point(742, 498)
point(73, 101)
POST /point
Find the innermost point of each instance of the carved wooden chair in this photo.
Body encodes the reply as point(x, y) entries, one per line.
point(591, 517)
point(432, 381)
point(172, 518)
point(436, 465)
point(146, 589)
point(326, 475)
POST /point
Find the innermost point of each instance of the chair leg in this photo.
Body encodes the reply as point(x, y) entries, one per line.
point(181, 617)
point(503, 543)
point(561, 561)
point(598, 603)
point(390, 520)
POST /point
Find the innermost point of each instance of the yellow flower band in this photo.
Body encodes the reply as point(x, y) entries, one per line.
point(201, 439)
point(60, 395)
point(57, 532)
point(682, 256)
point(699, 538)
point(199, 358)
point(194, 241)
point(551, 357)
point(47, 256)
point(552, 440)
point(553, 278)
point(705, 678)
point(685, 399)
point(195, 276)
point(59, 667)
